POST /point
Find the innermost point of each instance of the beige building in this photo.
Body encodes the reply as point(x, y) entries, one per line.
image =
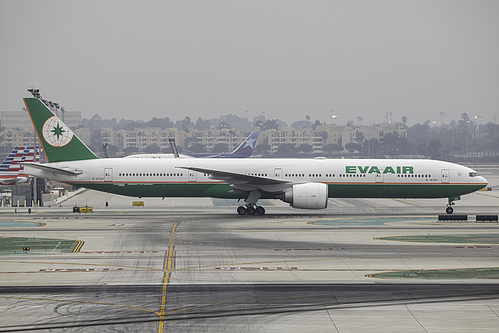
point(144, 137)
point(17, 138)
point(209, 138)
point(317, 138)
point(15, 120)
point(112, 137)
point(349, 134)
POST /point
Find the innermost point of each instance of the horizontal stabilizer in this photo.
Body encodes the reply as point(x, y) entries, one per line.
point(10, 181)
point(29, 167)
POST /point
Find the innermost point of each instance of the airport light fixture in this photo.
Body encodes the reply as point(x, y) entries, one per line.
point(334, 117)
point(35, 92)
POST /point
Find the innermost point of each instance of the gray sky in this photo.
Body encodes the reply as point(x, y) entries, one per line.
point(286, 59)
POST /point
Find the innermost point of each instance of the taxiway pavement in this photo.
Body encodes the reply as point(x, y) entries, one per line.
point(193, 265)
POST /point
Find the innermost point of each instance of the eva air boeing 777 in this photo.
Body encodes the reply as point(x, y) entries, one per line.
point(304, 183)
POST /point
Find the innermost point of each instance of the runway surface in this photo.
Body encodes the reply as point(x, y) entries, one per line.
point(193, 265)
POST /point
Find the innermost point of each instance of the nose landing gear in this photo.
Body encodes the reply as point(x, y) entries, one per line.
point(449, 210)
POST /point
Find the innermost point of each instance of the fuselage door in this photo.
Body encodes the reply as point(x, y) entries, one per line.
point(445, 175)
point(192, 175)
point(108, 175)
point(379, 177)
point(278, 173)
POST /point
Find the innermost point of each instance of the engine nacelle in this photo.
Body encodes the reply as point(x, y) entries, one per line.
point(307, 196)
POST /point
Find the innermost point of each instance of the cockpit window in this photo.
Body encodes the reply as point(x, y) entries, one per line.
point(474, 174)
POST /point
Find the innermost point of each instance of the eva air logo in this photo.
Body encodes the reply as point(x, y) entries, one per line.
point(56, 133)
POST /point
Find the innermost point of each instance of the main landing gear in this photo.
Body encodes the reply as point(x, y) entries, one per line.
point(449, 210)
point(250, 210)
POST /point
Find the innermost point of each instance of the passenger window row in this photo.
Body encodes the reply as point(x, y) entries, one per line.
point(150, 174)
point(414, 176)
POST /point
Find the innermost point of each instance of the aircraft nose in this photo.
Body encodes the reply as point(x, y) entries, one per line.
point(483, 181)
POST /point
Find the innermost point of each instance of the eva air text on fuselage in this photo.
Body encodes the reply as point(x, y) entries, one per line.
point(375, 169)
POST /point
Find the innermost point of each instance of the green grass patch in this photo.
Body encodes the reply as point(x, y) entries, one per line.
point(441, 274)
point(478, 238)
point(9, 245)
point(17, 224)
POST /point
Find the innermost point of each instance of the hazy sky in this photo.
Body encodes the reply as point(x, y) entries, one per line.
point(286, 59)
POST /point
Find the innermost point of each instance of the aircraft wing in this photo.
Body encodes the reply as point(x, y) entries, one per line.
point(245, 182)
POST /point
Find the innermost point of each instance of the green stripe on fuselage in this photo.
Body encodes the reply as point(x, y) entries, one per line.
point(337, 190)
point(216, 190)
point(383, 190)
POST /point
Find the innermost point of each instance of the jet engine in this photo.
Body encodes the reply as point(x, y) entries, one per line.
point(307, 196)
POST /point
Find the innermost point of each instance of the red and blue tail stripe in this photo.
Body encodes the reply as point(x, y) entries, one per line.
point(12, 163)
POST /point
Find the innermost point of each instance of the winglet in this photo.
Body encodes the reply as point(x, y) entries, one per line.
point(58, 141)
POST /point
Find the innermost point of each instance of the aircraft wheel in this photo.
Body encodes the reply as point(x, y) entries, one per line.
point(449, 210)
point(241, 210)
point(250, 210)
point(260, 210)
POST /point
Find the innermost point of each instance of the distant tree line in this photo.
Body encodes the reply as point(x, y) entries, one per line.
point(457, 140)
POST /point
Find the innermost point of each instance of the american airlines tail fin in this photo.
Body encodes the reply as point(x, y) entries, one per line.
point(11, 170)
point(58, 141)
point(245, 149)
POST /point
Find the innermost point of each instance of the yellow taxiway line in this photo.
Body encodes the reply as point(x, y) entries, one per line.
point(168, 268)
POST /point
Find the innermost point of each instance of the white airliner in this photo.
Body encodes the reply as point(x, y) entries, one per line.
point(304, 183)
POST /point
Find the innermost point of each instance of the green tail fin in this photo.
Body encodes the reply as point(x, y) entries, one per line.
point(58, 141)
